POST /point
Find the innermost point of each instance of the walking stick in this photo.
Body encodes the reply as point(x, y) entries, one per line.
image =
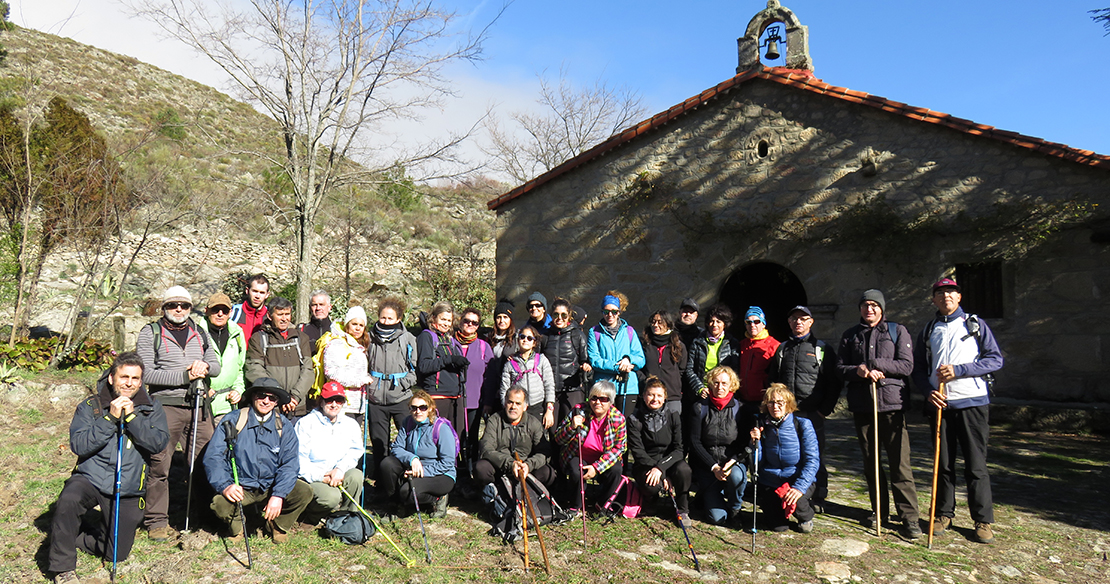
point(195, 390)
point(524, 524)
point(875, 447)
point(755, 492)
point(427, 550)
point(936, 470)
point(535, 521)
point(365, 437)
point(115, 506)
point(581, 475)
point(678, 515)
point(230, 434)
point(408, 563)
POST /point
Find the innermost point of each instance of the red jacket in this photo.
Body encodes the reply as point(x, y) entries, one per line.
point(755, 357)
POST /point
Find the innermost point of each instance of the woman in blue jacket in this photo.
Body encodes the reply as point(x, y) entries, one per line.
point(615, 351)
point(788, 461)
point(422, 457)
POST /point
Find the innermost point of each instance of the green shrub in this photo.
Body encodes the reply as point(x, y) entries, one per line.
point(34, 355)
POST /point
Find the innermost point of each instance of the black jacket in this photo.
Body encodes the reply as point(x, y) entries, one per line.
point(655, 437)
point(500, 440)
point(566, 351)
point(875, 347)
point(663, 365)
point(728, 354)
point(808, 367)
point(435, 370)
point(94, 439)
point(719, 435)
point(689, 332)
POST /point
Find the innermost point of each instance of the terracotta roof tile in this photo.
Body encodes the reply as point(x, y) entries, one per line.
point(804, 80)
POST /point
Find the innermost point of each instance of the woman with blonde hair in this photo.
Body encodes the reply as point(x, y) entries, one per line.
point(718, 436)
point(422, 457)
point(788, 461)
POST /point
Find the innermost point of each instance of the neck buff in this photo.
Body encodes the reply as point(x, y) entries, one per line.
point(466, 340)
point(385, 332)
point(721, 402)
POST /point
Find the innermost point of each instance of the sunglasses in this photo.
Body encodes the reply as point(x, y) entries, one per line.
point(219, 310)
point(526, 337)
point(611, 312)
point(266, 396)
point(469, 322)
point(779, 403)
point(561, 315)
point(419, 408)
point(754, 321)
point(176, 306)
point(600, 398)
point(535, 306)
point(338, 398)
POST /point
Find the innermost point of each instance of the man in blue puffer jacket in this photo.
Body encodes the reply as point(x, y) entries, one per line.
point(94, 438)
point(788, 461)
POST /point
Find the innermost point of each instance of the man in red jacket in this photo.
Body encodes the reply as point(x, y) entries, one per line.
point(756, 350)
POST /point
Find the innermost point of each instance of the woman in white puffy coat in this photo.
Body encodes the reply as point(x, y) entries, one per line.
point(345, 361)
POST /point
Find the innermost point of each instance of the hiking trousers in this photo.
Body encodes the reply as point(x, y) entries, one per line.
point(894, 437)
point(968, 430)
point(179, 421)
point(78, 496)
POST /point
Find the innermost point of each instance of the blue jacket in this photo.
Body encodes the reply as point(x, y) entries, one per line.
point(786, 457)
point(606, 351)
point(437, 459)
point(264, 459)
point(94, 439)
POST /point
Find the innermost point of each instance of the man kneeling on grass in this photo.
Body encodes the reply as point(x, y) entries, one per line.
point(265, 456)
point(121, 402)
point(330, 448)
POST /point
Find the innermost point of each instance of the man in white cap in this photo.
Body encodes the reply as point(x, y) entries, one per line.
point(177, 357)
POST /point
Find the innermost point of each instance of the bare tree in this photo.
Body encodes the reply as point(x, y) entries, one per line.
point(329, 72)
point(572, 120)
point(1102, 15)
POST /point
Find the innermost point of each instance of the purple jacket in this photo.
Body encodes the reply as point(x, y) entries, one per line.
point(479, 353)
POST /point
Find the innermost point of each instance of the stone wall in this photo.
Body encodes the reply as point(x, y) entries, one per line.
point(847, 197)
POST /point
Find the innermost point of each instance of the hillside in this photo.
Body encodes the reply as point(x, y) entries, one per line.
point(184, 147)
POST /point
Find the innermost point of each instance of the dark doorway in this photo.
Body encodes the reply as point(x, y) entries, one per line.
point(769, 286)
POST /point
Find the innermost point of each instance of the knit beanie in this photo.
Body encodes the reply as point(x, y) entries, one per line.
point(874, 296)
point(537, 297)
point(504, 306)
point(355, 312)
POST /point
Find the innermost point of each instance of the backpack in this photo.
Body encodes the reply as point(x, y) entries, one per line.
point(534, 369)
point(349, 527)
point(597, 333)
point(317, 362)
point(410, 425)
point(156, 328)
point(504, 501)
point(242, 422)
point(629, 497)
point(373, 389)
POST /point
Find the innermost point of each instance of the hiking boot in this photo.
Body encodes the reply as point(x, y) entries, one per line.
point(941, 524)
point(684, 519)
point(868, 521)
point(818, 506)
point(160, 534)
point(983, 533)
point(280, 537)
point(69, 577)
point(910, 529)
point(235, 538)
point(806, 526)
point(440, 510)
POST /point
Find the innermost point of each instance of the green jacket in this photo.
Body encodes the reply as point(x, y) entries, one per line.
point(232, 362)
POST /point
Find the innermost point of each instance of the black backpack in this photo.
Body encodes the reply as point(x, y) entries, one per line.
point(349, 527)
point(503, 500)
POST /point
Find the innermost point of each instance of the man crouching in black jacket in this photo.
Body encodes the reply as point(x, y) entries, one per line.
point(121, 403)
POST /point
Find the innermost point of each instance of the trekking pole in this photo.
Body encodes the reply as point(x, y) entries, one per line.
point(230, 434)
point(875, 447)
point(755, 491)
point(535, 520)
point(115, 506)
point(524, 527)
point(936, 470)
point(678, 515)
point(427, 550)
point(581, 476)
point(365, 437)
point(195, 390)
point(408, 562)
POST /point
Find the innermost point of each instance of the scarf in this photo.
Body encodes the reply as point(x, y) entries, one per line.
point(659, 340)
point(386, 332)
point(763, 334)
point(654, 420)
point(721, 402)
point(713, 340)
point(464, 339)
point(612, 330)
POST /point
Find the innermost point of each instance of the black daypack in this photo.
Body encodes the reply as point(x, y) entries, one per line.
point(504, 498)
point(349, 527)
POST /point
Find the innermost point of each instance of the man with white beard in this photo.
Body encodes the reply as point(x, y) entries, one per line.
point(176, 353)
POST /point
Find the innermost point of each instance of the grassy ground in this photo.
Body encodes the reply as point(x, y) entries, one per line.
point(1050, 526)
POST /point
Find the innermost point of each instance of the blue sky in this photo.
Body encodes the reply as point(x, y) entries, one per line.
point(1035, 67)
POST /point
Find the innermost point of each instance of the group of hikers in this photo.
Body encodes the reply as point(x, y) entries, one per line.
point(294, 421)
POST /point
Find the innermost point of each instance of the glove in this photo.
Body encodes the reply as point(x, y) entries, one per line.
point(781, 492)
point(460, 362)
